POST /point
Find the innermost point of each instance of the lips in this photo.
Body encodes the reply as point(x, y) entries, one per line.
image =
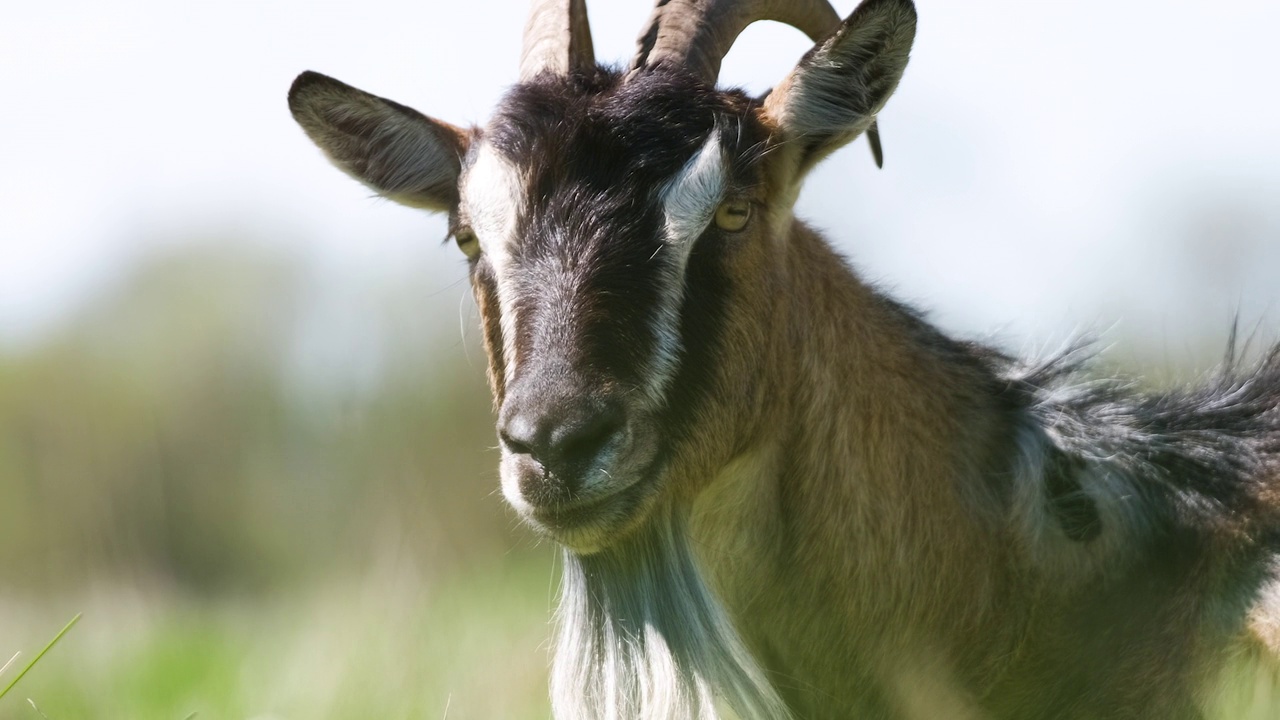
point(572, 514)
point(595, 522)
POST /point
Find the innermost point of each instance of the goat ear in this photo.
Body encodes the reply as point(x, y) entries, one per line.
point(397, 151)
point(834, 93)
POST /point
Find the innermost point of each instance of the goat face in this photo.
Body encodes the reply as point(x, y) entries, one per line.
point(626, 234)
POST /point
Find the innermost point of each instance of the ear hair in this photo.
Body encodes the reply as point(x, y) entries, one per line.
point(836, 90)
point(400, 153)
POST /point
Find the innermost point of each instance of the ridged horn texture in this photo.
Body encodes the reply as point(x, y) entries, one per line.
point(557, 39)
point(696, 34)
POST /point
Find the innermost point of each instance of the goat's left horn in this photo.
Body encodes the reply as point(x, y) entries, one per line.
point(697, 34)
point(557, 39)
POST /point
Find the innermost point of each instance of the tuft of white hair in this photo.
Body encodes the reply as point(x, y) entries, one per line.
point(641, 635)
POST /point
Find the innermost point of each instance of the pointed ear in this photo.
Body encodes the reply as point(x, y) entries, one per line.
point(833, 95)
point(397, 151)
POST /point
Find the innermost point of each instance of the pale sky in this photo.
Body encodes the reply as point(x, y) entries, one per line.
point(1051, 166)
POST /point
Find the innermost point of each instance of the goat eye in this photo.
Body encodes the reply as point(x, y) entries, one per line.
point(732, 215)
point(468, 243)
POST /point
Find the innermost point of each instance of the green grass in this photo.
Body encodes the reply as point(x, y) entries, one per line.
point(382, 646)
point(35, 659)
point(387, 645)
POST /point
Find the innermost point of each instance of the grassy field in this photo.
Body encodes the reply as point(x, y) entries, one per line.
point(384, 645)
point(250, 531)
point(257, 525)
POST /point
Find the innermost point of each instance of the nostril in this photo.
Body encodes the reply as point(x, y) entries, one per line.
point(564, 438)
point(582, 442)
point(519, 434)
point(514, 446)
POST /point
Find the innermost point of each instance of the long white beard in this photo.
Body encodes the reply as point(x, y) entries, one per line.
point(640, 635)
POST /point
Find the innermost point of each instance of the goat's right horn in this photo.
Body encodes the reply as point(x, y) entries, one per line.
point(557, 39)
point(697, 34)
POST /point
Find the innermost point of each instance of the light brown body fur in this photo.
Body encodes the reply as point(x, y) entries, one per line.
point(871, 437)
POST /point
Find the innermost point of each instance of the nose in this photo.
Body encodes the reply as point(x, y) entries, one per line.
point(564, 437)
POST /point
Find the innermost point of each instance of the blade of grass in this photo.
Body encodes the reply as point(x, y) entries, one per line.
point(40, 654)
point(5, 669)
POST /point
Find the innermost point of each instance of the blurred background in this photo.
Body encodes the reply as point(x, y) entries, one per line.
point(243, 420)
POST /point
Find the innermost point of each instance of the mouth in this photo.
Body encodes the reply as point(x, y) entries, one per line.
point(592, 523)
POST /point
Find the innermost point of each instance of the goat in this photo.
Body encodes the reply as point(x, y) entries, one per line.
point(780, 493)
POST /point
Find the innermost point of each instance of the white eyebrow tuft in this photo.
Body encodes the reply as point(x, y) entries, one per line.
point(492, 190)
point(689, 200)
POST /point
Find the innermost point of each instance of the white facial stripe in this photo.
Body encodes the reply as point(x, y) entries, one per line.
point(493, 193)
point(689, 203)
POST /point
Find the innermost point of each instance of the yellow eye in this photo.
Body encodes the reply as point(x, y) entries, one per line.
point(468, 243)
point(733, 214)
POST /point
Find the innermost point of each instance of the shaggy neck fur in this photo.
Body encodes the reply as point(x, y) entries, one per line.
point(640, 635)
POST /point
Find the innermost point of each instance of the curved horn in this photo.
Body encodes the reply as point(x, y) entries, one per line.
point(557, 39)
point(698, 33)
